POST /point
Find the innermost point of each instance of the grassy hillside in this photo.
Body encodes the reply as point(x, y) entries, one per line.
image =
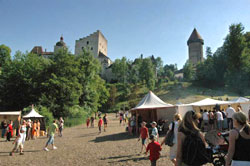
point(184, 93)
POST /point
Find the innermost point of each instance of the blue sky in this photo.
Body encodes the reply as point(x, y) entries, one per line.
point(132, 27)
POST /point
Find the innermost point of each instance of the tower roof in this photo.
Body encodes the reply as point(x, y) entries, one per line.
point(195, 37)
point(61, 42)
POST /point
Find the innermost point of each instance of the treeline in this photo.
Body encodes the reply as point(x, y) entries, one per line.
point(228, 66)
point(64, 84)
point(134, 77)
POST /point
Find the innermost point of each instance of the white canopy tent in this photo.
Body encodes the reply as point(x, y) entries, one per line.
point(205, 104)
point(152, 108)
point(33, 115)
point(243, 102)
point(151, 101)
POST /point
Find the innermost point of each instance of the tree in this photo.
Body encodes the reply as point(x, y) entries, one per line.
point(120, 69)
point(209, 52)
point(188, 72)
point(234, 45)
point(4, 54)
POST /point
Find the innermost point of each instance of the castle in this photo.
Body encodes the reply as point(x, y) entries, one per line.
point(95, 42)
point(195, 48)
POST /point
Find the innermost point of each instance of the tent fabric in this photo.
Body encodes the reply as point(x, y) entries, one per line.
point(240, 100)
point(11, 113)
point(208, 101)
point(33, 114)
point(151, 101)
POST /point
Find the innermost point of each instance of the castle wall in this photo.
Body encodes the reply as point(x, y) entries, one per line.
point(90, 42)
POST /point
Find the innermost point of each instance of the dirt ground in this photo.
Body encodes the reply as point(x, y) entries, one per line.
point(83, 146)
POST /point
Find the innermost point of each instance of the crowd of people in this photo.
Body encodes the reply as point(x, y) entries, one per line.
point(102, 122)
point(28, 130)
point(189, 147)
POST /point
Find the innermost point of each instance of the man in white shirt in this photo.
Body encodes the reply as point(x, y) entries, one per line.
point(205, 120)
point(230, 111)
point(219, 120)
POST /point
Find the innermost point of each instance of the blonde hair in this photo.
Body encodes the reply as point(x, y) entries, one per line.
point(188, 123)
point(177, 117)
point(241, 118)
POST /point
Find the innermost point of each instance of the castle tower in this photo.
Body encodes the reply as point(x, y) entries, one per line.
point(195, 48)
point(59, 45)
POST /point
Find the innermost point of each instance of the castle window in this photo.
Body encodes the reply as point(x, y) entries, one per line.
point(91, 48)
point(87, 42)
point(82, 48)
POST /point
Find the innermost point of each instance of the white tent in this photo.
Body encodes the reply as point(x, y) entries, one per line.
point(33, 114)
point(205, 103)
point(240, 100)
point(209, 102)
point(243, 102)
point(151, 101)
point(152, 108)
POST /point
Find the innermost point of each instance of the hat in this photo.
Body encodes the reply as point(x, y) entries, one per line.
point(154, 123)
point(29, 120)
point(151, 137)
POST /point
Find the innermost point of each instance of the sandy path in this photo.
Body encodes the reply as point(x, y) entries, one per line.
point(82, 146)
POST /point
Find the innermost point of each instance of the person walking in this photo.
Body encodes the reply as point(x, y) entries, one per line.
point(143, 135)
point(28, 130)
point(189, 133)
point(4, 126)
point(219, 120)
point(230, 111)
point(9, 133)
point(20, 139)
point(61, 124)
point(51, 130)
point(155, 130)
point(105, 121)
point(38, 129)
point(87, 122)
point(34, 129)
point(205, 121)
point(154, 148)
point(239, 141)
point(100, 124)
point(173, 149)
point(92, 119)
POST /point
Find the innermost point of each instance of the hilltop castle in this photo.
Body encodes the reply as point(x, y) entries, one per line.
point(195, 48)
point(95, 42)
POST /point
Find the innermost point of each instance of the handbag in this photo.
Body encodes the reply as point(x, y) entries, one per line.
point(170, 136)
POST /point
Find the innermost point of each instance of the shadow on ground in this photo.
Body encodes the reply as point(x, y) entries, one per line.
point(126, 158)
point(113, 137)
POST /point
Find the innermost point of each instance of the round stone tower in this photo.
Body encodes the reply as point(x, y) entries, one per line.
point(195, 48)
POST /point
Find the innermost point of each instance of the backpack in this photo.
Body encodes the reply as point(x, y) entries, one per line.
point(194, 151)
point(170, 136)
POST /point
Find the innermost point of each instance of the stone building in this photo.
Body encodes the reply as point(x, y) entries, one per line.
point(195, 48)
point(98, 45)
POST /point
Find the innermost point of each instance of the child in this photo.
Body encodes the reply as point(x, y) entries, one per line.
point(154, 148)
point(100, 124)
point(88, 120)
point(155, 130)
point(18, 144)
point(143, 135)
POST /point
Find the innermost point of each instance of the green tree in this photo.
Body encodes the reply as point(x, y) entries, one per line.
point(4, 54)
point(188, 72)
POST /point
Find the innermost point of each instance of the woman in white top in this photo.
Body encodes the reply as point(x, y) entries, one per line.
point(173, 149)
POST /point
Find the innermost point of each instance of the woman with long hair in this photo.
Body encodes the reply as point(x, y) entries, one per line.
point(239, 141)
point(188, 126)
point(173, 126)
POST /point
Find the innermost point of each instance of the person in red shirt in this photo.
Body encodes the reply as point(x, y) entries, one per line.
point(143, 135)
point(9, 132)
point(88, 120)
point(154, 148)
point(100, 124)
